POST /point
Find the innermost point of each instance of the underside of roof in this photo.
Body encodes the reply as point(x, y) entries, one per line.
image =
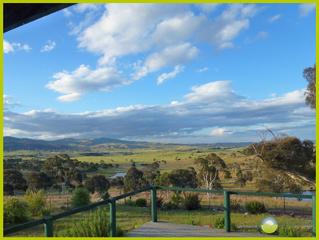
point(18, 14)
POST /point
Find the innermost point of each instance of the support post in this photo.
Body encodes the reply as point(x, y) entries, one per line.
point(48, 226)
point(227, 211)
point(112, 218)
point(154, 204)
point(313, 215)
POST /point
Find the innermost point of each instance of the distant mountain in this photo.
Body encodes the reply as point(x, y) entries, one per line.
point(98, 144)
point(13, 143)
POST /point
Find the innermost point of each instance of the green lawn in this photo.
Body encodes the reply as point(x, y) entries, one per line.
point(129, 218)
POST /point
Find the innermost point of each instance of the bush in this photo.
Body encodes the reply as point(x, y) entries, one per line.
point(130, 202)
point(15, 211)
point(169, 206)
point(255, 207)
point(80, 197)
point(177, 199)
point(141, 202)
point(234, 205)
point(95, 225)
point(220, 224)
point(191, 202)
point(160, 202)
point(37, 202)
point(288, 231)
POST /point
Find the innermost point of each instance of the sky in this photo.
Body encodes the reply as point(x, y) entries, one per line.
point(183, 73)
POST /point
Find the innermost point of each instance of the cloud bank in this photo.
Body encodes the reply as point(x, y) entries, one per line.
point(209, 112)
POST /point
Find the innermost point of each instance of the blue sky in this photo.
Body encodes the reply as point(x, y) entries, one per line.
point(167, 73)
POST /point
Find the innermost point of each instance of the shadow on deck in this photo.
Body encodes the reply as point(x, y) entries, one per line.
point(165, 229)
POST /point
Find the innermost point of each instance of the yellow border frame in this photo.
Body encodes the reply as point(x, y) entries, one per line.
point(151, 1)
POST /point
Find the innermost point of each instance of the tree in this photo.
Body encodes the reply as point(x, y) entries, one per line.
point(99, 184)
point(38, 180)
point(133, 179)
point(286, 153)
point(80, 197)
point(117, 182)
point(15, 179)
point(209, 168)
point(8, 189)
point(151, 172)
point(183, 178)
point(310, 75)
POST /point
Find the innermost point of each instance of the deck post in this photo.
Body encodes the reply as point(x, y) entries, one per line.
point(313, 215)
point(154, 204)
point(227, 211)
point(112, 204)
point(48, 226)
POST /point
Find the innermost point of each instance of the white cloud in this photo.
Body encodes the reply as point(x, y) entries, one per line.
point(9, 102)
point(12, 47)
point(208, 7)
point(218, 132)
point(212, 91)
point(7, 47)
point(165, 76)
point(274, 18)
point(81, 8)
point(67, 12)
point(208, 107)
point(306, 9)
point(204, 69)
point(123, 27)
point(49, 46)
point(169, 56)
point(82, 80)
point(156, 34)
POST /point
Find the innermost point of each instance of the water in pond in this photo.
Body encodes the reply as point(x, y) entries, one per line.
point(119, 174)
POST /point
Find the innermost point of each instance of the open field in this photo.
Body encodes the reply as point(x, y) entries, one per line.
point(289, 212)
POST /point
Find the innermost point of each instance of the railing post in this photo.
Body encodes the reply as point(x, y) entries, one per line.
point(112, 218)
point(313, 215)
point(48, 226)
point(227, 211)
point(154, 204)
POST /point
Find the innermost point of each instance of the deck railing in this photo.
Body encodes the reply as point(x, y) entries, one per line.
point(48, 220)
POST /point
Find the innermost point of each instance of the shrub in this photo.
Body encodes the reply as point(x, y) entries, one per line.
point(141, 202)
point(255, 207)
point(288, 231)
point(130, 202)
point(220, 224)
point(160, 202)
point(234, 205)
point(37, 202)
point(191, 202)
point(80, 197)
point(169, 206)
point(177, 199)
point(15, 211)
point(95, 225)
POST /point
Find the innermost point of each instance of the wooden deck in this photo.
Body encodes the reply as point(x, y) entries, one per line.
point(165, 229)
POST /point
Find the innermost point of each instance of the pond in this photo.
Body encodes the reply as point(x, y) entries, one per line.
point(119, 174)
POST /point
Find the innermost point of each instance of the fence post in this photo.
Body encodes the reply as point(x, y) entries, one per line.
point(313, 215)
point(48, 226)
point(154, 204)
point(227, 211)
point(112, 204)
